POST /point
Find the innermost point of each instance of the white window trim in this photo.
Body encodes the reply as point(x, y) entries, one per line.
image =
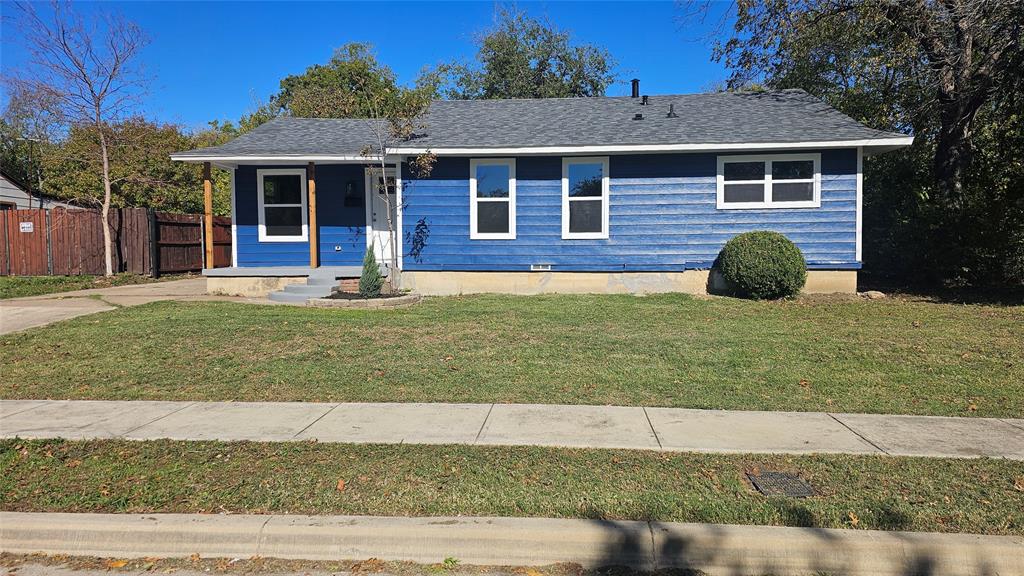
point(603, 234)
point(815, 202)
point(474, 201)
point(301, 173)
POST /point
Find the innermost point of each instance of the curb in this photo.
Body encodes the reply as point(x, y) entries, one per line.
point(714, 549)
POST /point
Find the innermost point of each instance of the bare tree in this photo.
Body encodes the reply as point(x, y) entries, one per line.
point(87, 69)
point(395, 119)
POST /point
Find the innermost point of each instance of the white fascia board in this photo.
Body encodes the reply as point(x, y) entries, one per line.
point(277, 159)
point(881, 144)
point(654, 148)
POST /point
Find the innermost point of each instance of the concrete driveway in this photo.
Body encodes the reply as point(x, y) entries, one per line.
point(22, 313)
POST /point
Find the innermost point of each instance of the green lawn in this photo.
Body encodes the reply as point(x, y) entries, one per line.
point(868, 492)
point(18, 286)
point(671, 350)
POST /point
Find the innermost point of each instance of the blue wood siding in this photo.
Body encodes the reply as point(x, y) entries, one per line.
point(662, 217)
point(341, 226)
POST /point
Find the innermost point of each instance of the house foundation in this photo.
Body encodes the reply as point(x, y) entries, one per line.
point(688, 281)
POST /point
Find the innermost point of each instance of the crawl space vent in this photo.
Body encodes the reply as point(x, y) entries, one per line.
point(780, 484)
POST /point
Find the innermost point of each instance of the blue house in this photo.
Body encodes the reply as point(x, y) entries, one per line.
point(616, 194)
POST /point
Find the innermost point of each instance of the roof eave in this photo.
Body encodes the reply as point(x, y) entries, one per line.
point(874, 144)
point(869, 145)
point(274, 159)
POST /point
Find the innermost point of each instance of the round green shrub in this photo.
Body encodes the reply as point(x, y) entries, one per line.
point(762, 265)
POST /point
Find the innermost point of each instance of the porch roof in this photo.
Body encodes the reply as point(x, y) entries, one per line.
point(784, 119)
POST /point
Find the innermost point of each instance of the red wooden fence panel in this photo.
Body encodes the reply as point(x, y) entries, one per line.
point(75, 243)
point(4, 246)
point(132, 234)
point(26, 235)
point(221, 241)
point(179, 241)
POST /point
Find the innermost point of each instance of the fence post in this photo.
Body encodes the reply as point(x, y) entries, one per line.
point(154, 248)
point(7, 243)
point(47, 222)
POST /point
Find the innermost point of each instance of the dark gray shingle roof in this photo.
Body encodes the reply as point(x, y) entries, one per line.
point(785, 116)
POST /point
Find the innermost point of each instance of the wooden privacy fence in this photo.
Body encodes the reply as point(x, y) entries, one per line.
point(70, 241)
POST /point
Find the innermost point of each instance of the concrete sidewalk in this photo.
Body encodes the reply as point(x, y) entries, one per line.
point(672, 429)
point(18, 314)
point(710, 548)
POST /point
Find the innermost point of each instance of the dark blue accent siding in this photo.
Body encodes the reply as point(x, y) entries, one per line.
point(663, 216)
point(339, 225)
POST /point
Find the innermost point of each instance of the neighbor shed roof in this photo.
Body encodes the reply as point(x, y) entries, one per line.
point(715, 121)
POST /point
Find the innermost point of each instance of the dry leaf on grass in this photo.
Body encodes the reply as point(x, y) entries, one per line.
point(341, 485)
point(854, 520)
point(111, 564)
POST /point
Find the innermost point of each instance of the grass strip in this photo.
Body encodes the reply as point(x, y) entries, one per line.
point(870, 492)
point(831, 355)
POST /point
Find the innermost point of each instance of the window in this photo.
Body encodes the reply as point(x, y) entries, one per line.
point(776, 181)
point(282, 205)
point(584, 198)
point(492, 199)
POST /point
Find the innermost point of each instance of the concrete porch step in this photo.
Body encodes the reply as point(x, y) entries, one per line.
point(282, 296)
point(310, 290)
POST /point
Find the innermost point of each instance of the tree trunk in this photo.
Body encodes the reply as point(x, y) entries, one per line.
point(108, 251)
point(953, 148)
point(392, 233)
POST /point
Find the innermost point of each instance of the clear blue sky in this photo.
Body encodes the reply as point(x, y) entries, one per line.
point(210, 58)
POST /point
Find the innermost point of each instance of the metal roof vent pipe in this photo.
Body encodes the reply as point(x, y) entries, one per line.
point(636, 87)
point(672, 111)
point(643, 100)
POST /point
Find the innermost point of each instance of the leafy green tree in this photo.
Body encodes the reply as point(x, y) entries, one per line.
point(524, 57)
point(28, 129)
point(946, 71)
point(335, 89)
point(141, 171)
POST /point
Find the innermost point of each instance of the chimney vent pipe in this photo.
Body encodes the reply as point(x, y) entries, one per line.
point(636, 87)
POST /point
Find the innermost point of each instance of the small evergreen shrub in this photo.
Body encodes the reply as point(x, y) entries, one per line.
point(762, 265)
point(371, 280)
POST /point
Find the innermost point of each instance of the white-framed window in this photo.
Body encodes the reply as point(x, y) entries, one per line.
point(281, 195)
point(769, 181)
point(492, 199)
point(585, 198)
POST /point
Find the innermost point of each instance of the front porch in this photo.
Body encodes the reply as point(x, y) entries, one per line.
point(294, 221)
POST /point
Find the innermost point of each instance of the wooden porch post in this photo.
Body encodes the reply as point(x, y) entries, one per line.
point(208, 216)
point(314, 241)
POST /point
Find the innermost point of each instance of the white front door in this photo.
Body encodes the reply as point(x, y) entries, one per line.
point(378, 206)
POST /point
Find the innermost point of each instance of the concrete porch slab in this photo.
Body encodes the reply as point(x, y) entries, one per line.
point(229, 421)
point(938, 436)
point(400, 423)
point(571, 426)
point(764, 432)
point(80, 419)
